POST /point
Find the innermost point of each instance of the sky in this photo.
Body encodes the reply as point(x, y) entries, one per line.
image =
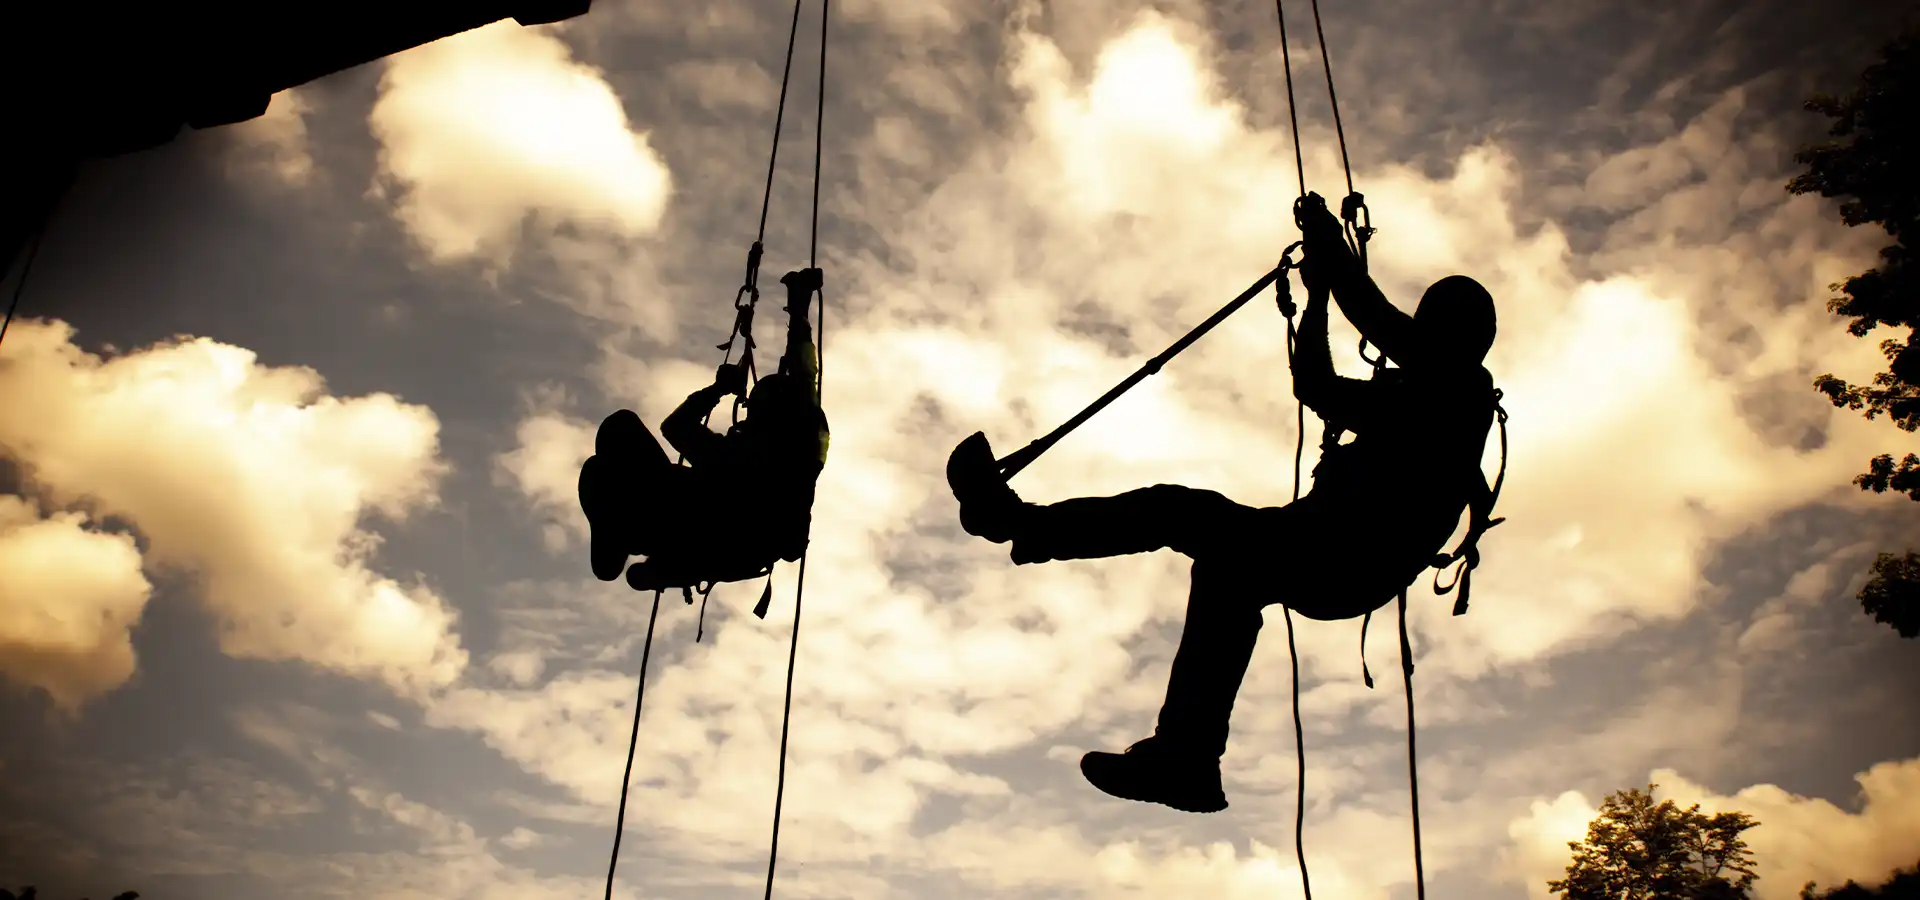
point(294, 595)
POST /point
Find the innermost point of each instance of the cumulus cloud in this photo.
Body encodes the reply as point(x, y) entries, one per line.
point(69, 597)
point(1539, 851)
point(1803, 839)
point(249, 477)
point(544, 467)
point(1799, 839)
point(497, 128)
point(523, 838)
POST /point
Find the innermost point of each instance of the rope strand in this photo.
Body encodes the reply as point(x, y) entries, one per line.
point(779, 115)
point(1413, 762)
point(786, 718)
point(626, 780)
point(1300, 754)
point(1299, 164)
point(1327, 63)
point(26, 268)
point(819, 133)
point(1299, 448)
point(1299, 732)
point(820, 343)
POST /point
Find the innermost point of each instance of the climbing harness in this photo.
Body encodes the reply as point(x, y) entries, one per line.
point(1468, 552)
point(745, 301)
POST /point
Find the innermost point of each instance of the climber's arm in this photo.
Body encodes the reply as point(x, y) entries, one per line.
point(1315, 383)
point(1378, 320)
point(801, 359)
point(686, 431)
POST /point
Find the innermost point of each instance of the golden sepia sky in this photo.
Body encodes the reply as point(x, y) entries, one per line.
point(294, 599)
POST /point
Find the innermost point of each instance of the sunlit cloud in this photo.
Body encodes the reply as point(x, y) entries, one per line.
point(69, 597)
point(499, 128)
point(252, 479)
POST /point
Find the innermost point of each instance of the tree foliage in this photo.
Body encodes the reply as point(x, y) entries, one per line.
point(1872, 163)
point(1869, 163)
point(1637, 849)
point(1904, 885)
point(1892, 595)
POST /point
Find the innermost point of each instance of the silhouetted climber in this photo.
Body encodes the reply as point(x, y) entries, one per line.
point(1380, 508)
point(746, 497)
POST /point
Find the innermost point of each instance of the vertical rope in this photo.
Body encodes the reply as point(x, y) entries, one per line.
point(626, 780)
point(1299, 447)
point(1299, 731)
point(786, 718)
point(780, 114)
point(1300, 753)
point(800, 587)
point(1331, 96)
point(26, 268)
point(68, 175)
point(1299, 164)
point(819, 132)
point(760, 235)
point(1413, 762)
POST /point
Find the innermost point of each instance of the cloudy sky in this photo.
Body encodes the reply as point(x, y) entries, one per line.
point(294, 598)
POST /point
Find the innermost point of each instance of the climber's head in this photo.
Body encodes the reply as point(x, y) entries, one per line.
point(1456, 317)
point(775, 395)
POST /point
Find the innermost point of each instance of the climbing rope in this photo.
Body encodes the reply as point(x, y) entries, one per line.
point(1353, 210)
point(33, 250)
point(1358, 228)
point(819, 386)
point(26, 268)
point(620, 818)
point(1413, 758)
point(746, 299)
point(1285, 300)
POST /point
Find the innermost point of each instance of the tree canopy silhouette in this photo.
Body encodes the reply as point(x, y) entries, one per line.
point(1872, 162)
point(1904, 885)
point(1637, 849)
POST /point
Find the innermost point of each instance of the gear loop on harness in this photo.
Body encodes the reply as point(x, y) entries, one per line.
point(1468, 553)
point(700, 630)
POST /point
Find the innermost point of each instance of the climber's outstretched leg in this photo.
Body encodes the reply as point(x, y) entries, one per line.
point(1239, 554)
point(1192, 521)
